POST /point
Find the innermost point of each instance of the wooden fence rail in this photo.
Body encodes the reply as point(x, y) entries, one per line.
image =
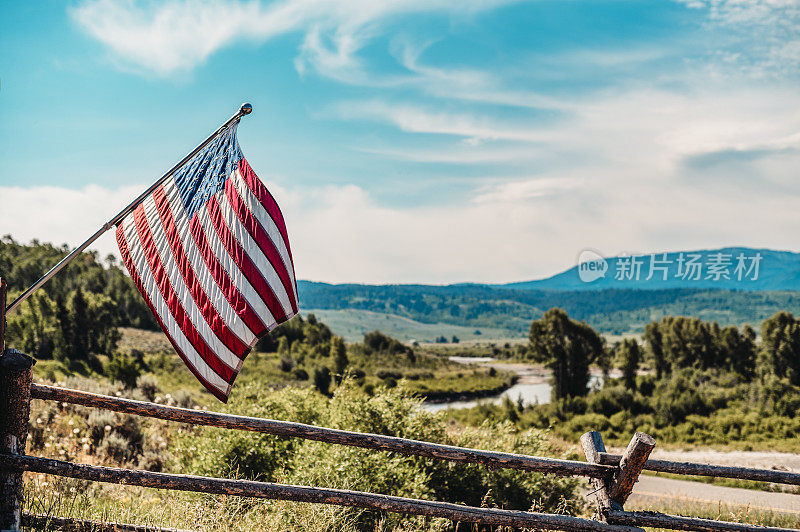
point(49, 522)
point(617, 520)
point(336, 436)
point(679, 522)
point(707, 470)
point(607, 464)
point(269, 490)
point(614, 474)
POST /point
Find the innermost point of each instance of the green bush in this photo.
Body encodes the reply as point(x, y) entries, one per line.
point(124, 368)
point(100, 423)
point(392, 412)
point(609, 401)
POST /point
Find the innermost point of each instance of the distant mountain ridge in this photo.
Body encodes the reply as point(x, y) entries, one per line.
point(609, 304)
point(717, 270)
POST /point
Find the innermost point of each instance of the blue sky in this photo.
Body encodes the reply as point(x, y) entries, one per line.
point(418, 141)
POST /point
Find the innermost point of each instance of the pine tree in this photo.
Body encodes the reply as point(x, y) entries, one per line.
point(79, 317)
point(338, 353)
point(652, 335)
point(630, 356)
point(322, 380)
point(780, 347)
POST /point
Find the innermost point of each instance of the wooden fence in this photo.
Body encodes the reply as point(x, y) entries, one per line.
point(613, 476)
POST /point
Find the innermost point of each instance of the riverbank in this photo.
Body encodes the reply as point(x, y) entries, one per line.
point(531, 385)
point(445, 398)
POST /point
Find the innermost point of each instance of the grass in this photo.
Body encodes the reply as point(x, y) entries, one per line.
point(63, 497)
point(722, 512)
point(352, 324)
point(431, 375)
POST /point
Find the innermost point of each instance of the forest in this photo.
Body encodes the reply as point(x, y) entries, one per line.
point(684, 381)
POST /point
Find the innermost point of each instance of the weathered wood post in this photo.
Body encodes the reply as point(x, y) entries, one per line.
point(15, 407)
point(612, 493)
point(592, 443)
point(630, 466)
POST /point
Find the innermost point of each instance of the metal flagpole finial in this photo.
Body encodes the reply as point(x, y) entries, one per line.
point(245, 109)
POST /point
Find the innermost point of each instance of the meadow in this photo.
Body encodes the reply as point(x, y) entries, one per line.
point(687, 382)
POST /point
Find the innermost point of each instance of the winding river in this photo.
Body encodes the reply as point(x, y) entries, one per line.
point(533, 384)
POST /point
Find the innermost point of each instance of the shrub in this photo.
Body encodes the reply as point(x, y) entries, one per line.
point(151, 461)
point(98, 421)
point(393, 412)
point(322, 380)
point(286, 364)
point(609, 401)
point(116, 447)
point(182, 398)
point(148, 384)
point(124, 368)
point(646, 384)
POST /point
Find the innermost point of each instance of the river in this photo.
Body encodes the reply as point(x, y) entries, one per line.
point(533, 384)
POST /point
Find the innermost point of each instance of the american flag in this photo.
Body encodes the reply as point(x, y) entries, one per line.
point(209, 252)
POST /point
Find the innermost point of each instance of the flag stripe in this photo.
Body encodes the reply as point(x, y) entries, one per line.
point(241, 293)
point(171, 299)
point(268, 201)
point(182, 291)
point(243, 261)
point(268, 226)
point(257, 235)
point(251, 248)
point(158, 307)
point(207, 295)
point(265, 198)
point(203, 260)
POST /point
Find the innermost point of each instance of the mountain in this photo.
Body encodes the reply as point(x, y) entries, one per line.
point(716, 269)
point(615, 306)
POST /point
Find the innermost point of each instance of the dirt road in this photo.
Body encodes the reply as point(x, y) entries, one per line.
point(650, 489)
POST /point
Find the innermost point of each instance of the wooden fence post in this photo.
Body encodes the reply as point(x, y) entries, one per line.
point(3, 290)
point(631, 464)
point(15, 407)
point(592, 443)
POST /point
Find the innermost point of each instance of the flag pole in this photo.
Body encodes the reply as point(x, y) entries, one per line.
point(245, 109)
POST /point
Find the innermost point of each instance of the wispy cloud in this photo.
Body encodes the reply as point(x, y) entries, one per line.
point(705, 155)
point(177, 35)
point(760, 37)
point(413, 118)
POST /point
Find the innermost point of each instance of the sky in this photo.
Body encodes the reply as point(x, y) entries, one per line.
point(418, 140)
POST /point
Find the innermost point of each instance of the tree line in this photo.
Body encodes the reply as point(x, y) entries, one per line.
point(568, 347)
point(77, 313)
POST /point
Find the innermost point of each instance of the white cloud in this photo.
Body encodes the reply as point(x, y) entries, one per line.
point(515, 229)
point(521, 190)
point(175, 35)
point(63, 215)
point(415, 119)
